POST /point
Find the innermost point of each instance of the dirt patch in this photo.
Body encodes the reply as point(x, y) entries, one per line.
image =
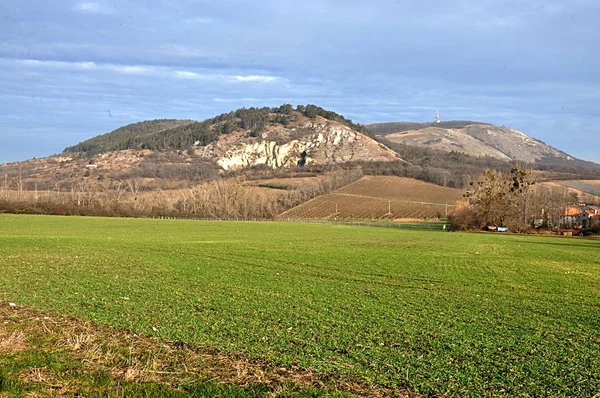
point(136, 358)
point(37, 375)
point(11, 341)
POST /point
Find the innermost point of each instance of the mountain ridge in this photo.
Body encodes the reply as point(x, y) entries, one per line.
point(471, 138)
point(174, 152)
point(276, 137)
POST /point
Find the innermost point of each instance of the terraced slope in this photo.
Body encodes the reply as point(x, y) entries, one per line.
point(588, 186)
point(380, 197)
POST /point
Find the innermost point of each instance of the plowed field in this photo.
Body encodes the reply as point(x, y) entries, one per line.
point(587, 186)
point(380, 197)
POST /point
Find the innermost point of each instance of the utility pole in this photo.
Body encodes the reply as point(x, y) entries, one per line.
point(20, 182)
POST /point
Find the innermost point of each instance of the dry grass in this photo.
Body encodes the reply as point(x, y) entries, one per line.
point(135, 358)
point(13, 342)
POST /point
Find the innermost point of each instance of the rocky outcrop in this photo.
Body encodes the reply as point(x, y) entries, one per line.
point(319, 142)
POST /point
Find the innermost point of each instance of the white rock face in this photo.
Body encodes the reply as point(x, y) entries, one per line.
point(263, 153)
point(316, 143)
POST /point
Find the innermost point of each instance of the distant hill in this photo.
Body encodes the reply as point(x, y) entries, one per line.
point(275, 137)
point(259, 142)
point(471, 138)
point(397, 127)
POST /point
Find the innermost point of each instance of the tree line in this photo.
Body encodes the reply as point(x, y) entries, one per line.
point(221, 198)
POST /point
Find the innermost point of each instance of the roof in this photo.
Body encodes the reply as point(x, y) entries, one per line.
point(572, 211)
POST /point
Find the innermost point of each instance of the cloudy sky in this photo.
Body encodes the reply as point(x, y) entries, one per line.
point(70, 70)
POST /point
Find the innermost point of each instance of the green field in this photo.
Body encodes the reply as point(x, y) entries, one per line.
point(432, 312)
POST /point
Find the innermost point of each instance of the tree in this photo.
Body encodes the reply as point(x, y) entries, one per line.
point(491, 198)
point(521, 188)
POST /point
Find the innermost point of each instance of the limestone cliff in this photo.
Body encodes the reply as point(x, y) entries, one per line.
point(310, 142)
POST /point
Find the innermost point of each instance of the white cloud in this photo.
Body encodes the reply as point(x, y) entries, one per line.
point(57, 64)
point(255, 78)
point(88, 66)
point(140, 70)
point(183, 74)
point(92, 7)
point(131, 69)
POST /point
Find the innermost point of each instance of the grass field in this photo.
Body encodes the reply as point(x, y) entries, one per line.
point(386, 310)
point(380, 197)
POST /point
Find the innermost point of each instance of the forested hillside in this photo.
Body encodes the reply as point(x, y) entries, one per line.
point(165, 134)
point(124, 137)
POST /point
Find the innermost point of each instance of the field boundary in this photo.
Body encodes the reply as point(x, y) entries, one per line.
point(429, 226)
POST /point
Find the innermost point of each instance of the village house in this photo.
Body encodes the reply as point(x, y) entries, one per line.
point(589, 217)
point(570, 217)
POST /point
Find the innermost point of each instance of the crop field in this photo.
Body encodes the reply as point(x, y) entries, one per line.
point(246, 309)
point(285, 183)
point(587, 186)
point(377, 197)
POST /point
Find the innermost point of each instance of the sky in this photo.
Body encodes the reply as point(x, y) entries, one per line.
point(70, 70)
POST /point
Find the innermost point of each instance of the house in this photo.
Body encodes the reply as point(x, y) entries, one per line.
point(589, 217)
point(570, 217)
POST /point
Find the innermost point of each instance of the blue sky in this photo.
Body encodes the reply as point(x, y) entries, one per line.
point(70, 70)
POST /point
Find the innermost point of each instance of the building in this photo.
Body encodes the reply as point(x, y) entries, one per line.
point(570, 217)
point(589, 217)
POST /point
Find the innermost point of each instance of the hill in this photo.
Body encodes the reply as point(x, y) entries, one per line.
point(587, 191)
point(473, 139)
point(275, 137)
point(280, 142)
point(380, 197)
point(478, 144)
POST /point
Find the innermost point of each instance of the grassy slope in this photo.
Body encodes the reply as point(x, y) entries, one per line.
point(435, 312)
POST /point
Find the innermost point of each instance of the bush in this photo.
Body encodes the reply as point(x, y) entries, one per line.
point(462, 219)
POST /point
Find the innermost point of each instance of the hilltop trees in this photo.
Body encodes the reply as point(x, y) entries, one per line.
point(166, 134)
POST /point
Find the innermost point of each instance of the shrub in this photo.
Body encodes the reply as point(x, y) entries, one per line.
point(462, 219)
